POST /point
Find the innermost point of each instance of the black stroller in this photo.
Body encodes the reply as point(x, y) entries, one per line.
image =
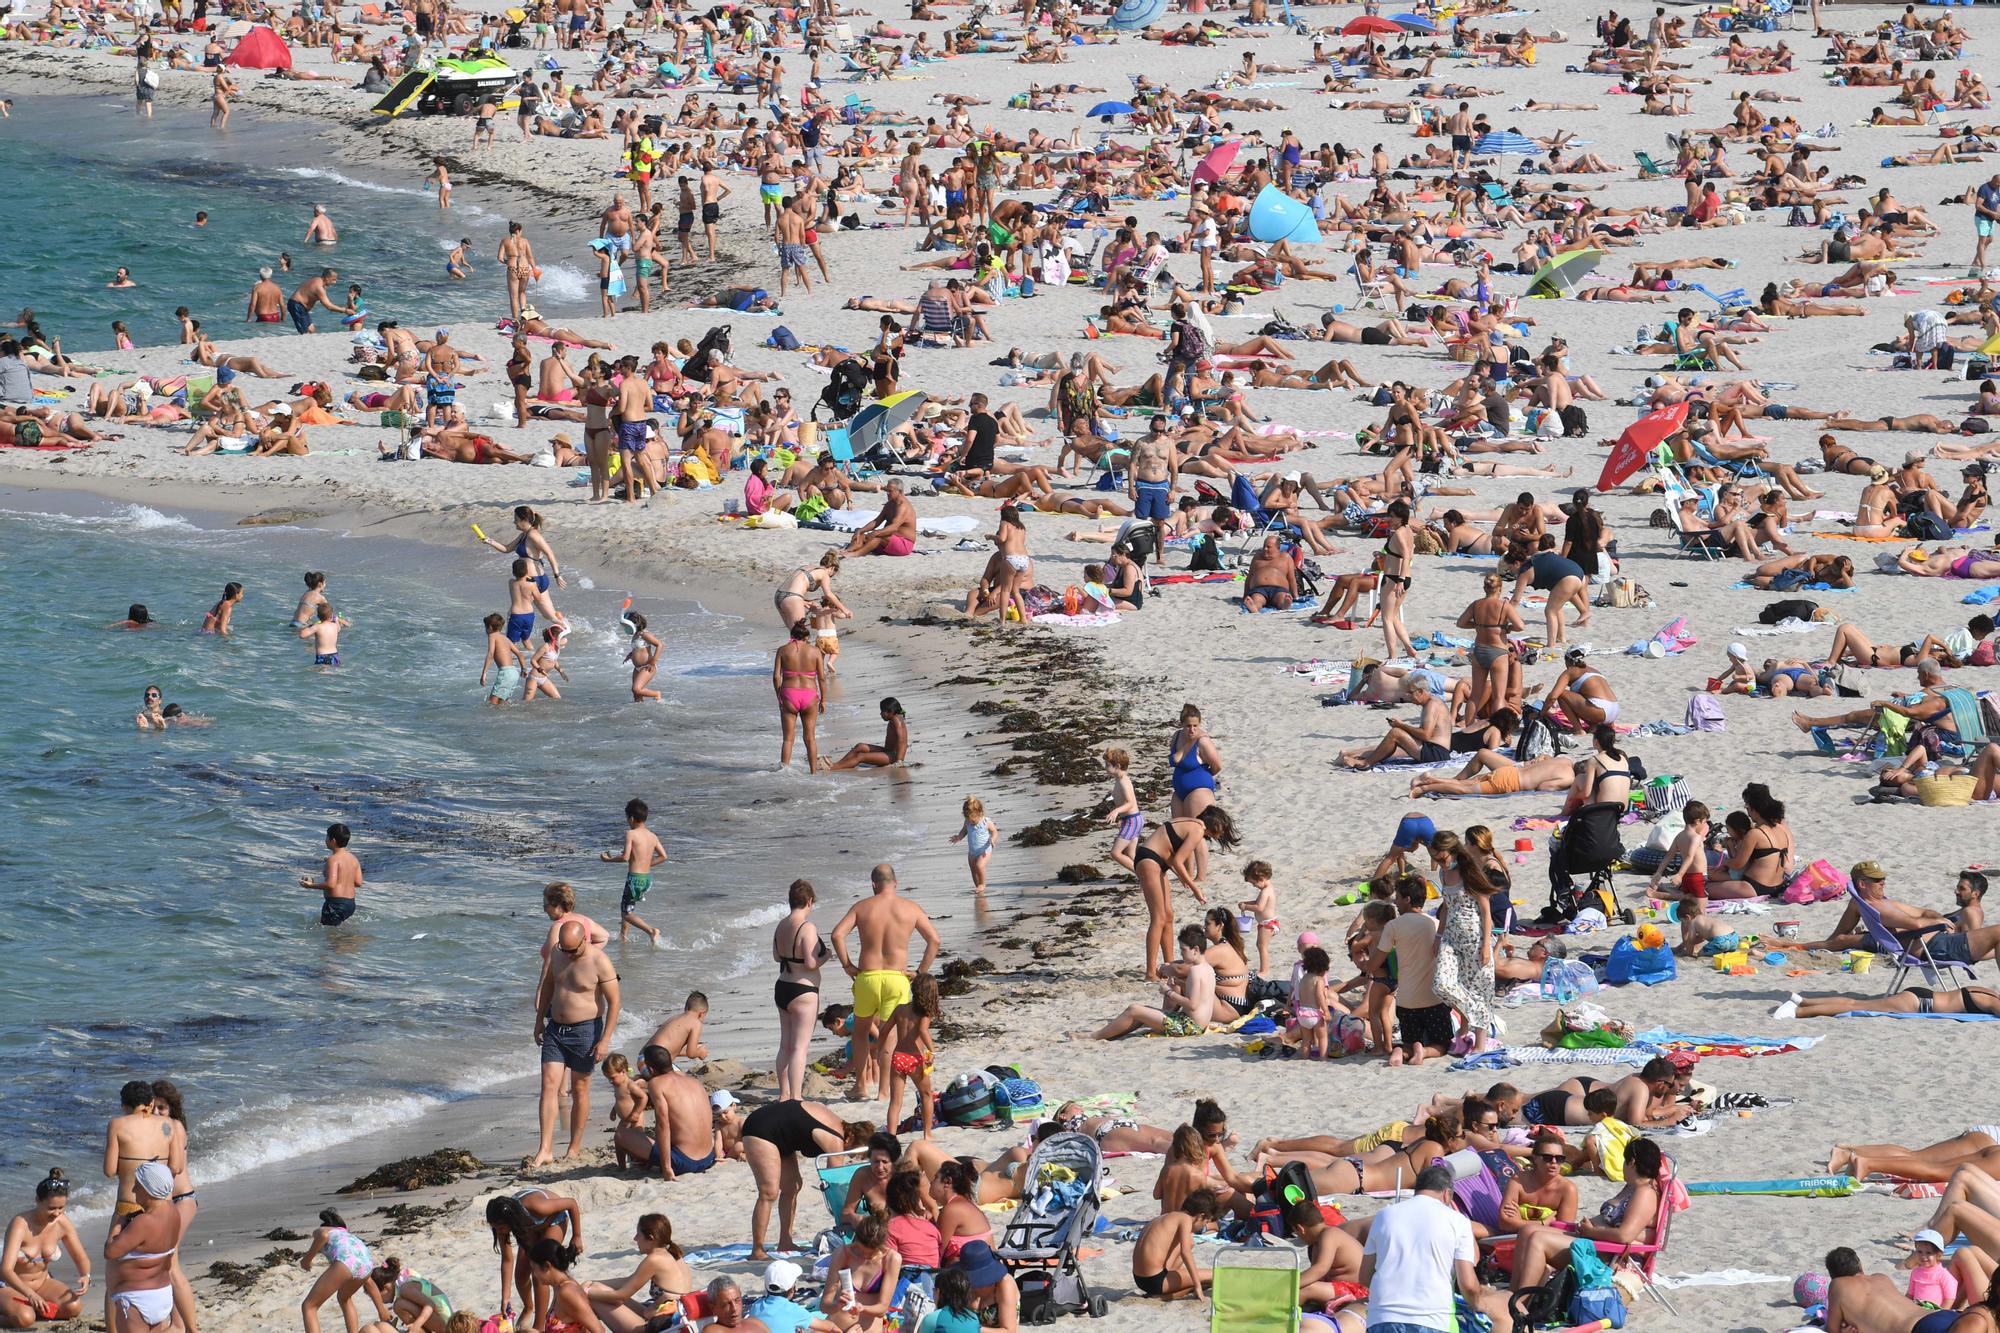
point(845, 393)
point(1589, 846)
point(714, 346)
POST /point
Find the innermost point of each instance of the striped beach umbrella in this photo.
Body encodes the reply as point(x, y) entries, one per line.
point(1503, 142)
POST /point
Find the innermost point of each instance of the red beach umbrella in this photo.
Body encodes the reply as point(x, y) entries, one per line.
point(1370, 25)
point(1636, 445)
point(1217, 162)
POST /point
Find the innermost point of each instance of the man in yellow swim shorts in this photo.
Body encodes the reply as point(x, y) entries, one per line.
point(884, 922)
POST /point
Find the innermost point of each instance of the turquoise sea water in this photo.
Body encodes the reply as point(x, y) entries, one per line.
point(149, 896)
point(91, 186)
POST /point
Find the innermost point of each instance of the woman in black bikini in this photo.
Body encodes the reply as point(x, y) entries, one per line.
point(773, 1138)
point(1397, 554)
point(1909, 1000)
point(1443, 1134)
point(1760, 862)
point(800, 952)
point(1840, 458)
point(1180, 846)
point(1226, 954)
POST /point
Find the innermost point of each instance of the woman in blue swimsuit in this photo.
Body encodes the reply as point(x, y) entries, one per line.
point(530, 544)
point(1197, 764)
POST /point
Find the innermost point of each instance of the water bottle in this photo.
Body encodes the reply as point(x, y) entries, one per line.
point(847, 1301)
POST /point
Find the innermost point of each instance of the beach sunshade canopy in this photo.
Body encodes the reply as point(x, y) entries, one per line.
point(260, 48)
point(1134, 14)
point(1370, 25)
point(1636, 445)
point(873, 424)
point(1215, 164)
point(1415, 23)
point(1276, 216)
point(1563, 272)
point(1110, 109)
point(1506, 141)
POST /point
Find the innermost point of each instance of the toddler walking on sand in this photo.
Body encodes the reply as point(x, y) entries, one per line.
point(1264, 908)
point(977, 833)
point(1124, 811)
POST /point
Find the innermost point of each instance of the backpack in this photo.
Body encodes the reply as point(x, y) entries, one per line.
point(1204, 556)
point(783, 339)
point(1537, 739)
point(1926, 527)
point(1793, 608)
point(1576, 423)
point(1193, 342)
point(1704, 713)
point(968, 1100)
point(1015, 1098)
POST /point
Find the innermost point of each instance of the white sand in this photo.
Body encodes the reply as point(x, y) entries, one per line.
point(1867, 1081)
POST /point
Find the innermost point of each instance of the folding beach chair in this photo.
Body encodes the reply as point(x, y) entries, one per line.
point(1700, 543)
point(1255, 1289)
point(1728, 300)
point(1648, 168)
point(839, 444)
point(1908, 955)
point(833, 1172)
point(1258, 522)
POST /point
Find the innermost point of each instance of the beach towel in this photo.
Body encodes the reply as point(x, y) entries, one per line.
point(1088, 620)
point(1505, 1057)
point(1721, 1277)
point(1663, 1041)
point(1952, 1018)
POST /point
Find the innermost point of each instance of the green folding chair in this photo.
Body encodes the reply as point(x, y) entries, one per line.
point(1255, 1289)
point(1648, 168)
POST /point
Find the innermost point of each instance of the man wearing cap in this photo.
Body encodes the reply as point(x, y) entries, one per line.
point(141, 1250)
point(683, 1120)
point(778, 1311)
point(1870, 884)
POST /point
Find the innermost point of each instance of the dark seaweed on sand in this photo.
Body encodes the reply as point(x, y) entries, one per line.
point(414, 1173)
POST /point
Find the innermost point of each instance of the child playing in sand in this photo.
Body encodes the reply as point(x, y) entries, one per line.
point(503, 659)
point(1310, 1004)
point(1124, 811)
point(1163, 1261)
point(641, 852)
point(826, 637)
point(838, 1019)
point(325, 635)
point(547, 662)
point(628, 1100)
point(1737, 677)
point(680, 1036)
point(644, 655)
point(1264, 907)
point(912, 1061)
point(977, 833)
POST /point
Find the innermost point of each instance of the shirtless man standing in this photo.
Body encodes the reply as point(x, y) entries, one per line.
point(615, 226)
point(576, 1011)
point(635, 400)
point(681, 1121)
point(1150, 482)
point(792, 251)
point(518, 258)
point(312, 292)
point(713, 192)
point(267, 300)
point(882, 974)
point(321, 231)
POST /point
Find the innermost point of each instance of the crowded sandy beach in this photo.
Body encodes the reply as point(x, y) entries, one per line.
point(1386, 513)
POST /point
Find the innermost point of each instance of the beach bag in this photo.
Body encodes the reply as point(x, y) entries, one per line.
point(1948, 791)
point(1665, 794)
point(1545, 1305)
point(1592, 1305)
point(783, 339)
point(1537, 739)
point(1203, 555)
point(1794, 608)
point(1629, 963)
point(1193, 344)
point(1820, 882)
point(1704, 713)
point(1015, 1098)
point(151, 78)
point(1624, 592)
point(968, 1100)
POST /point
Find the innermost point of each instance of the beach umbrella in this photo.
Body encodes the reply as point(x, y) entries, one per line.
point(1415, 23)
point(1636, 445)
point(873, 424)
point(261, 48)
point(1563, 272)
point(1134, 14)
point(1370, 25)
point(1110, 109)
point(1506, 142)
point(1217, 162)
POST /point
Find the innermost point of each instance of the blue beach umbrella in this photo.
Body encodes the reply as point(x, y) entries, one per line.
point(1414, 23)
point(1110, 109)
point(1505, 142)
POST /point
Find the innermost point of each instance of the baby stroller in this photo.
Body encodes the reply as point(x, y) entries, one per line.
point(843, 396)
point(716, 340)
point(514, 37)
point(1589, 845)
point(1058, 1209)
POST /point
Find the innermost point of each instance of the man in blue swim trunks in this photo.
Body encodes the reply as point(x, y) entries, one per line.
point(1149, 480)
point(576, 1011)
point(683, 1119)
point(312, 292)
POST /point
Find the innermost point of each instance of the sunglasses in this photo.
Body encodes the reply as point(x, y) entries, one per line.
point(1216, 1137)
point(1555, 1158)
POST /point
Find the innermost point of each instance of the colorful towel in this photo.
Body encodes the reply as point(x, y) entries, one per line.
point(1951, 1018)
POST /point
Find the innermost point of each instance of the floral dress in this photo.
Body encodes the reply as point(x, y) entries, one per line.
point(1460, 980)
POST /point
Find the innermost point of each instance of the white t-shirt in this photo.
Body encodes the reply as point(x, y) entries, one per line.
point(1415, 1244)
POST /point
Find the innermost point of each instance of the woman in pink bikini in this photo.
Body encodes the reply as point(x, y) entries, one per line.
point(798, 677)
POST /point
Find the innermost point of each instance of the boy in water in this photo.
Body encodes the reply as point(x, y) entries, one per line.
point(524, 598)
point(641, 852)
point(325, 635)
point(339, 881)
point(502, 658)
